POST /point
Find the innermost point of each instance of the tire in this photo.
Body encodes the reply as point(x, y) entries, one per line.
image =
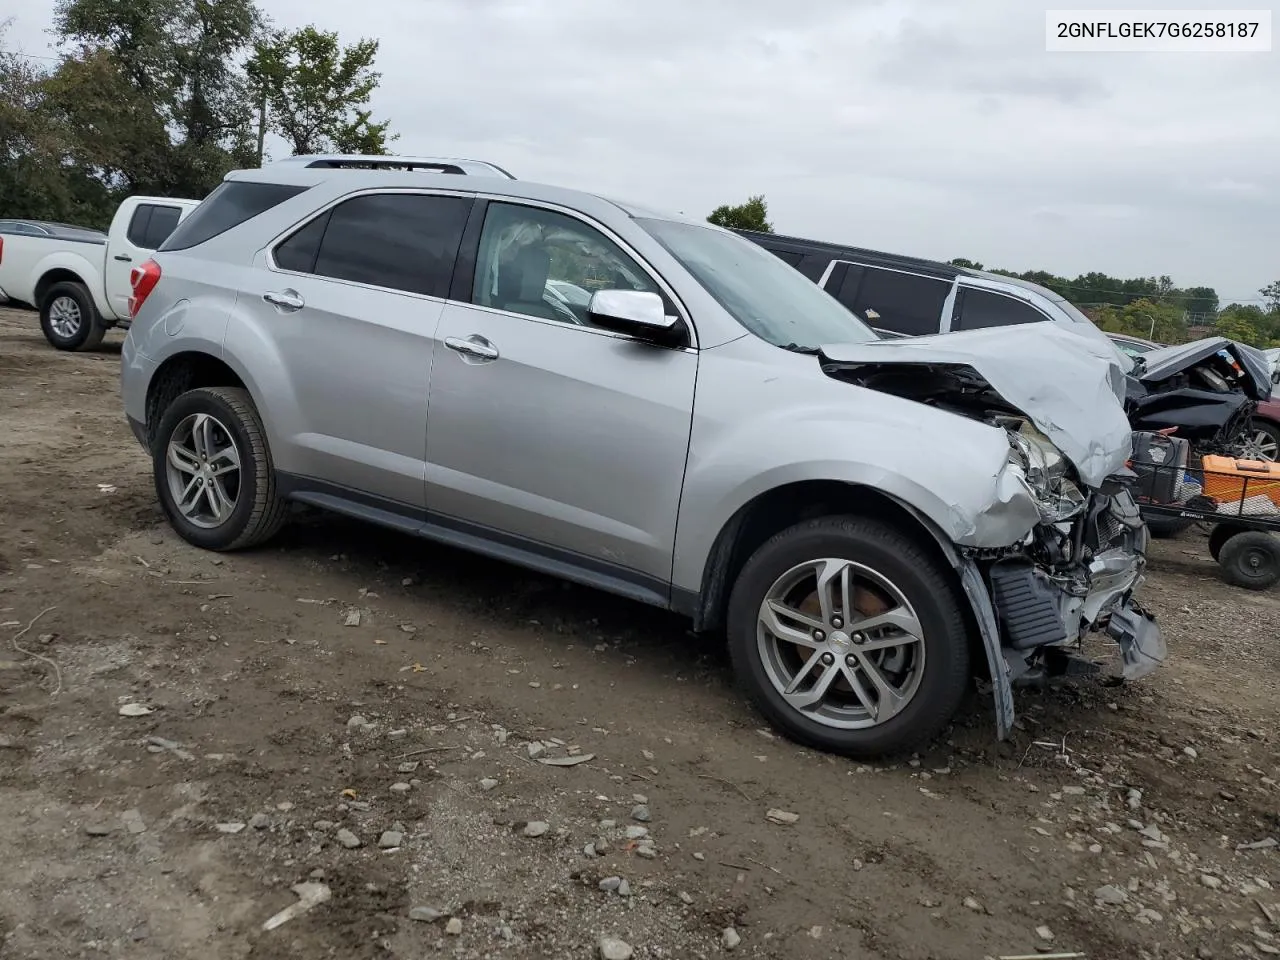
point(69, 319)
point(1266, 439)
point(760, 662)
point(1220, 534)
point(251, 509)
point(1251, 560)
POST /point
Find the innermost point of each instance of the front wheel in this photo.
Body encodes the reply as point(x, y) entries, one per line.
point(69, 319)
point(213, 470)
point(849, 637)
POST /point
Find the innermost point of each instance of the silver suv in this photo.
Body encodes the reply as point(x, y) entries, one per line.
point(654, 407)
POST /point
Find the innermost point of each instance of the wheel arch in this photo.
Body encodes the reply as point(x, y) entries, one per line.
point(183, 371)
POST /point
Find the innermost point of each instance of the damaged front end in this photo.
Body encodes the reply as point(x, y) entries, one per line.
point(1038, 601)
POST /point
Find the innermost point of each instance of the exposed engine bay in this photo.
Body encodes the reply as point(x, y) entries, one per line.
point(1075, 571)
point(1205, 391)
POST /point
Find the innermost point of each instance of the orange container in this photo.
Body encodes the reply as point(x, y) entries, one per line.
point(1225, 479)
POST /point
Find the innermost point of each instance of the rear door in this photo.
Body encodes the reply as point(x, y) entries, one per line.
point(132, 240)
point(351, 299)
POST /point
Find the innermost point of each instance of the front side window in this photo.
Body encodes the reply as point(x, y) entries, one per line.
point(777, 303)
point(545, 264)
point(401, 241)
point(983, 308)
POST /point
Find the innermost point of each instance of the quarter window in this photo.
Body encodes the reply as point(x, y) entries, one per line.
point(982, 308)
point(544, 264)
point(151, 225)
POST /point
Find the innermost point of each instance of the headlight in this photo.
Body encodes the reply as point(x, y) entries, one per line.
point(1045, 470)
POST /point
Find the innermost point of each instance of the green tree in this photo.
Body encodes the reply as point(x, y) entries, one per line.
point(1236, 325)
point(968, 264)
point(314, 92)
point(752, 215)
point(1272, 292)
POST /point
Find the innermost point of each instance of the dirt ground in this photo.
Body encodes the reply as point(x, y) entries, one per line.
point(1110, 826)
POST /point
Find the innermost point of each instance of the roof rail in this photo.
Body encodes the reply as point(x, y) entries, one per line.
point(358, 161)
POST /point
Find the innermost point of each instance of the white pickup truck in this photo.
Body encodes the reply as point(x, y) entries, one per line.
point(78, 280)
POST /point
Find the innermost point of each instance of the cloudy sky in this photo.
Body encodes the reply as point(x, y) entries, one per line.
point(927, 127)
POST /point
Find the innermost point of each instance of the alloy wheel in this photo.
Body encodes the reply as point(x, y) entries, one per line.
point(203, 470)
point(841, 643)
point(65, 317)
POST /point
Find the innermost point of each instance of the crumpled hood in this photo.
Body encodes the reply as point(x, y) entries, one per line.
point(1165, 362)
point(1070, 387)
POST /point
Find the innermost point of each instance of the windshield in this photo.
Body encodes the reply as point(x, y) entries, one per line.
point(771, 299)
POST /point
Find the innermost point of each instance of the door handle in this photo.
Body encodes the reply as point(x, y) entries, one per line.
point(285, 299)
point(474, 346)
point(124, 258)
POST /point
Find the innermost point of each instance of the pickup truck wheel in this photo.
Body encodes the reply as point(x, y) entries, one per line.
point(213, 470)
point(849, 637)
point(69, 318)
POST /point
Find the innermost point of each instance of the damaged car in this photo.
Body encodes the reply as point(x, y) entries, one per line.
point(872, 523)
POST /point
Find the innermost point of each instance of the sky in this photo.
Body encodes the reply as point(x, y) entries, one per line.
point(926, 127)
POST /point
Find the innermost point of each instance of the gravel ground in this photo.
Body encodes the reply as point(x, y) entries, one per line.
point(357, 723)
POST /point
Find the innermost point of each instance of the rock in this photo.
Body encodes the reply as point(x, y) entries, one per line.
point(1073, 791)
point(636, 833)
point(353, 618)
point(729, 937)
point(324, 825)
point(309, 895)
point(425, 914)
point(1190, 752)
point(454, 927)
point(348, 839)
point(535, 750)
point(229, 827)
point(536, 828)
point(685, 898)
point(640, 812)
point(1152, 832)
point(399, 734)
point(1110, 893)
point(780, 816)
point(647, 850)
point(135, 710)
point(611, 948)
point(390, 839)
point(259, 821)
point(358, 722)
point(624, 888)
point(1134, 798)
point(1044, 933)
point(98, 829)
point(488, 783)
point(133, 821)
point(815, 932)
point(973, 904)
point(400, 788)
point(1210, 881)
point(610, 884)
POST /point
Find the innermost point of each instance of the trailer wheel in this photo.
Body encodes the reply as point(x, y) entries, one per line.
point(1251, 559)
point(1220, 534)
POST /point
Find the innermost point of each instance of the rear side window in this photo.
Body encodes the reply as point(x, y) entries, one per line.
point(982, 308)
point(401, 241)
point(151, 225)
point(232, 203)
point(901, 302)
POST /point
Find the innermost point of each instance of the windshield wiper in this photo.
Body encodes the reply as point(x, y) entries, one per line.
point(797, 348)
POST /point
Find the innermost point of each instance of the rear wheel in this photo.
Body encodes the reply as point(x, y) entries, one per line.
point(1251, 560)
point(213, 470)
point(69, 318)
point(849, 637)
point(1219, 535)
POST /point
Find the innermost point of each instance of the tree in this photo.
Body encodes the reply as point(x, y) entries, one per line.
point(1236, 325)
point(314, 92)
point(1272, 292)
point(967, 264)
point(752, 215)
point(1148, 319)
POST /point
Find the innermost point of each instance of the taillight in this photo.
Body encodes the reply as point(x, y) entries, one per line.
point(143, 279)
point(1, 249)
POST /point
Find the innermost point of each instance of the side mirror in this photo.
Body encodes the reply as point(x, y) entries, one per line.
point(631, 311)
